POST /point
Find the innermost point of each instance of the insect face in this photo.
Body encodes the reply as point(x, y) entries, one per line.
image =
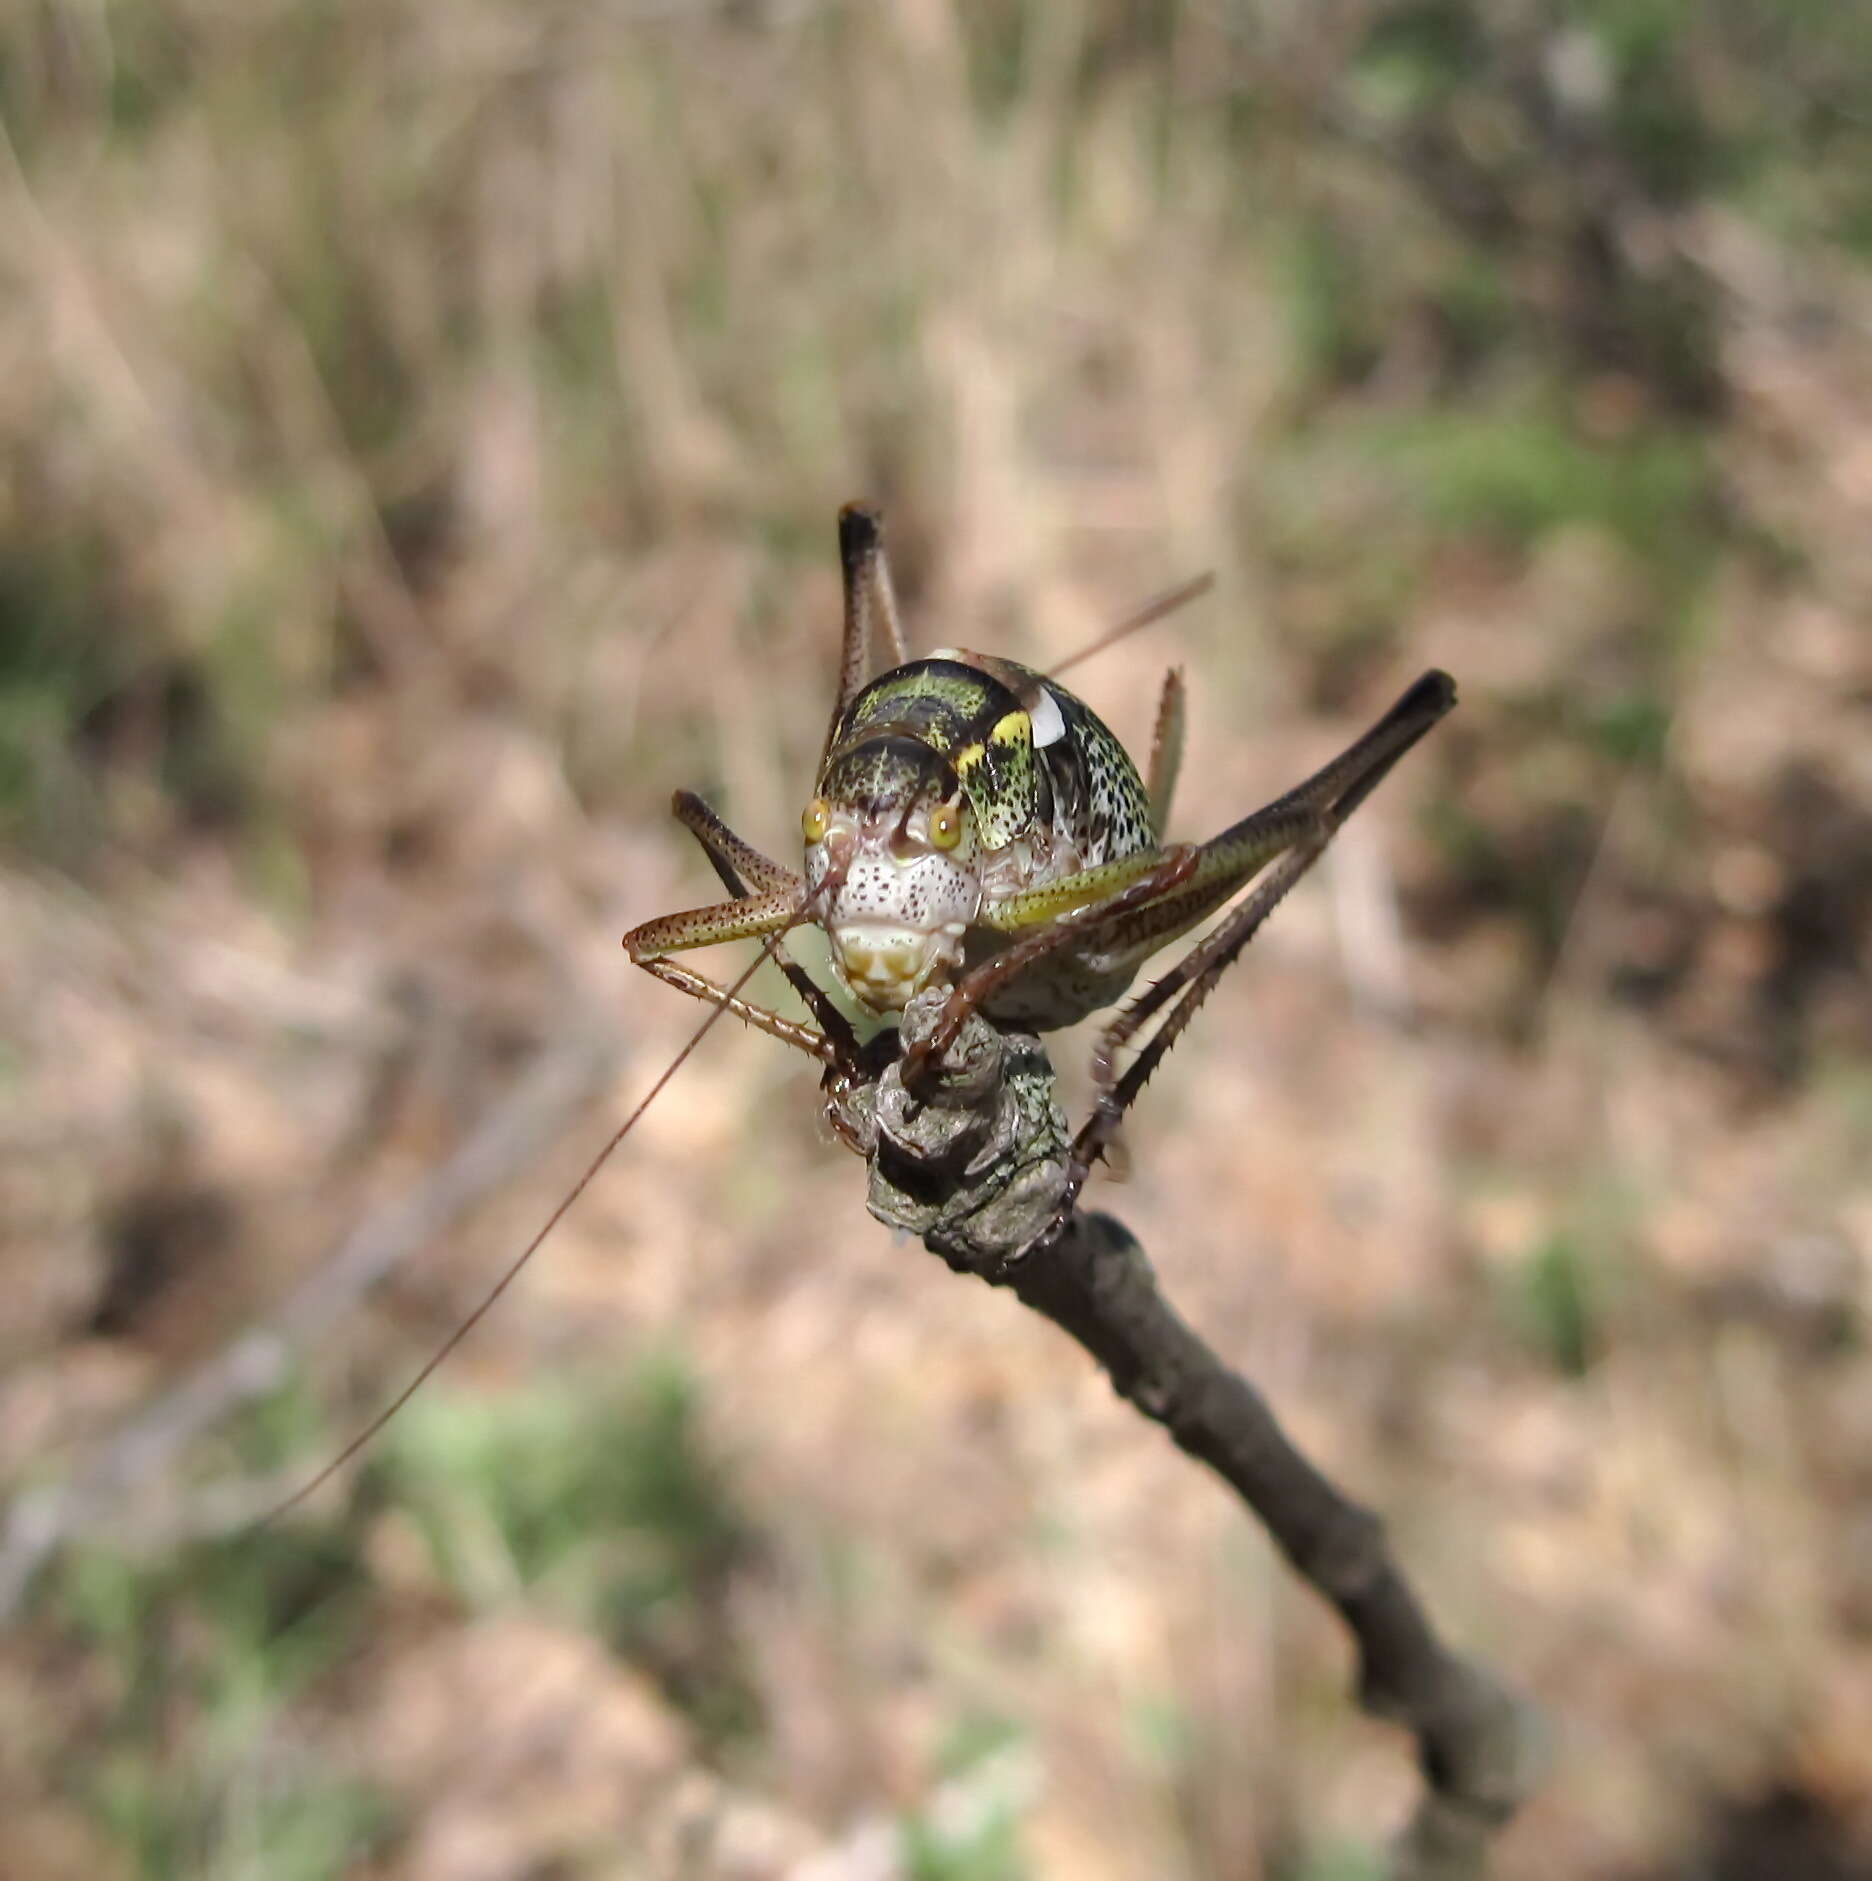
point(890, 863)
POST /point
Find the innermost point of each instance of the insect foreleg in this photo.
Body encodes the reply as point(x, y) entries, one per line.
point(733, 858)
point(751, 918)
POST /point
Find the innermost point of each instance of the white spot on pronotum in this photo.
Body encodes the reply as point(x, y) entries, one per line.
point(1049, 723)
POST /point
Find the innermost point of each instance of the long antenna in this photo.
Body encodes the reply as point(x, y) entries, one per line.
point(512, 1272)
point(1151, 611)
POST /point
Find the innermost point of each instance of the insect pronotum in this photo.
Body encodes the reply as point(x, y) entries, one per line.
point(973, 825)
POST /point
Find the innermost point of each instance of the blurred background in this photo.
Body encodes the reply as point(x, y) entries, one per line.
point(421, 428)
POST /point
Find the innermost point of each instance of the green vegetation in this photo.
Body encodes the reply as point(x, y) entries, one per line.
point(987, 1853)
point(1553, 1303)
point(978, 1840)
point(202, 1656)
point(217, 1664)
point(602, 1508)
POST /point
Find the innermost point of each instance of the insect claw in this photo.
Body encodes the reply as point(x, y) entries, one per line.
point(1062, 1218)
point(923, 1057)
point(918, 1072)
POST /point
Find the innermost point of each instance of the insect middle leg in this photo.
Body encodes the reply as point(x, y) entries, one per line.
point(795, 1032)
point(1166, 753)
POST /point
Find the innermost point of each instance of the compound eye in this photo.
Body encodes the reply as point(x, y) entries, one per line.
point(945, 825)
point(813, 821)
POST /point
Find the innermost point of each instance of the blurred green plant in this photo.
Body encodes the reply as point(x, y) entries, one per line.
point(986, 1851)
point(973, 1738)
point(604, 1506)
point(91, 701)
point(56, 669)
point(191, 1768)
point(1552, 1298)
point(1338, 1860)
point(1522, 474)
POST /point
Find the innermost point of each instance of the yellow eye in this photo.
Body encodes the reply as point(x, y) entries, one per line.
point(945, 826)
point(813, 822)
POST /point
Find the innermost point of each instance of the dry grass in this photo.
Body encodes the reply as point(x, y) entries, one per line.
point(420, 429)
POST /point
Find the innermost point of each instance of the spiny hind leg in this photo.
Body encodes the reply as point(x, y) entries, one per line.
point(1293, 833)
point(870, 605)
point(1339, 787)
point(1188, 984)
point(1128, 906)
point(1140, 880)
point(1305, 818)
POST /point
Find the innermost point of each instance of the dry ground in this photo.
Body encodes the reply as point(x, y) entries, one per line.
point(420, 430)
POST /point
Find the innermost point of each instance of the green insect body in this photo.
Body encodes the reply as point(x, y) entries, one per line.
point(975, 825)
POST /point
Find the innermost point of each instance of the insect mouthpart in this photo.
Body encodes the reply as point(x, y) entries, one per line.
point(883, 965)
point(895, 911)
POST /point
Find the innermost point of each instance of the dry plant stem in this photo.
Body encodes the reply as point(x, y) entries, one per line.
point(940, 1166)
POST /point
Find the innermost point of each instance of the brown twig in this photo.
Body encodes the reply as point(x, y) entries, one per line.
point(976, 1167)
point(1096, 1285)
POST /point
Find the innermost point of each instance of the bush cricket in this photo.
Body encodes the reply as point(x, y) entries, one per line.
point(973, 825)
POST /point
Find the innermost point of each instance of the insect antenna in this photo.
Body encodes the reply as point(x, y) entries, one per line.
point(512, 1271)
point(1151, 612)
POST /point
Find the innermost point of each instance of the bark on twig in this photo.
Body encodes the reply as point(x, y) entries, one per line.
point(977, 1171)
